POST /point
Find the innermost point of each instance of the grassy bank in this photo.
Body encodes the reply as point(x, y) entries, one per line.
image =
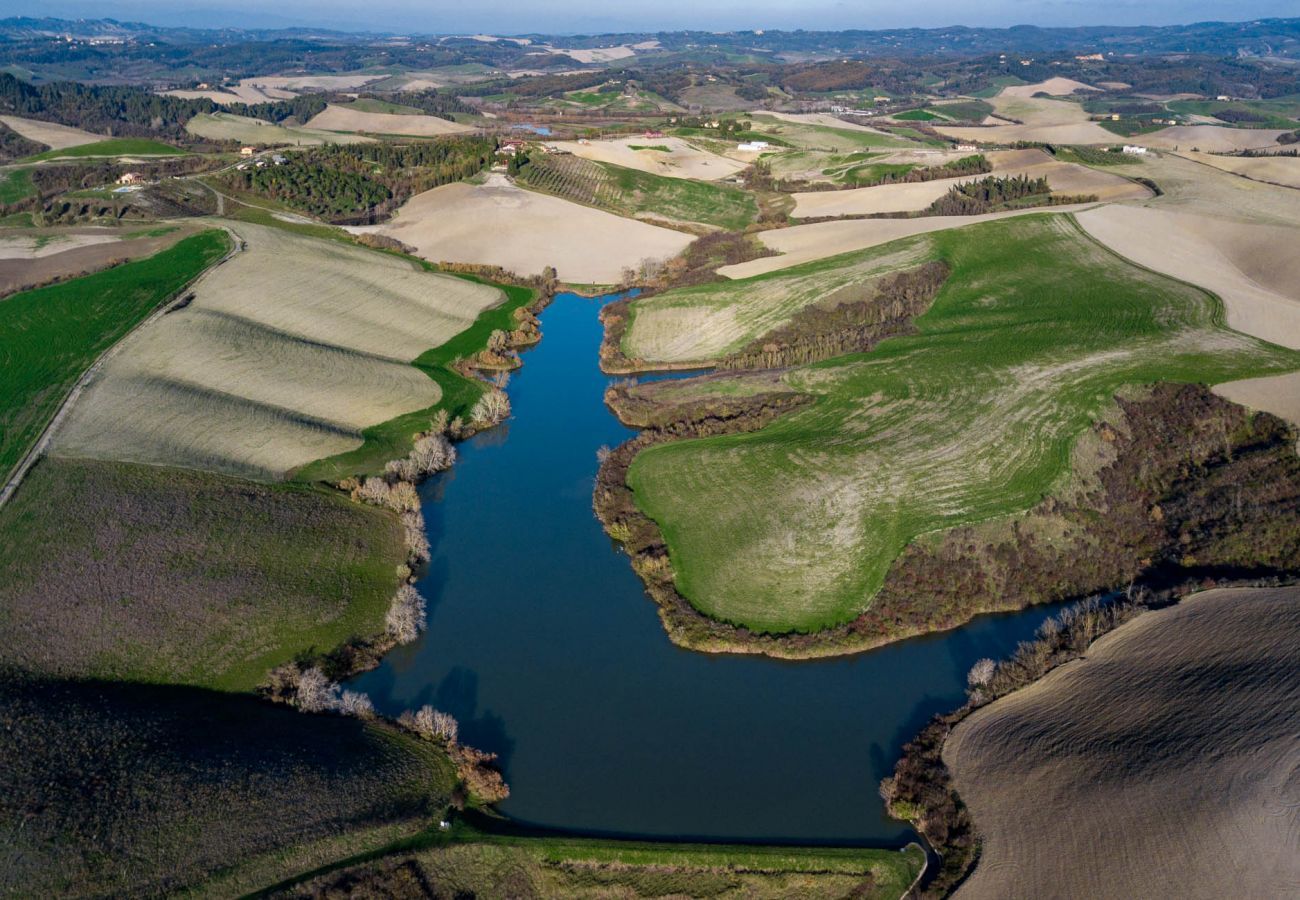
point(141, 573)
point(51, 335)
point(794, 528)
point(470, 863)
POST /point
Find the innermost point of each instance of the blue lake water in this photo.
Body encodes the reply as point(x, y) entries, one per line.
point(543, 645)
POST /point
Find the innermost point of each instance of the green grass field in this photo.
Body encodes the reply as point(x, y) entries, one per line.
point(963, 110)
point(195, 792)
point(628, 192)
point(50, 335)
point(470, 863)
point(918, 115)
point(372, 105)
point(16, 185)
point(1278, 112)
point(794, 527)
point(142, 573)
point(112, 147)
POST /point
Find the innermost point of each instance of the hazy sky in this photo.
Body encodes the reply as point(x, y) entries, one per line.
point(593, 16)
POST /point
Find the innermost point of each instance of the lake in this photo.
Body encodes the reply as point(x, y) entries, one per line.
point(543, 645)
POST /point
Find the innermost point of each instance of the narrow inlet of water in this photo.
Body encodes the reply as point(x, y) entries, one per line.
point(543, 645)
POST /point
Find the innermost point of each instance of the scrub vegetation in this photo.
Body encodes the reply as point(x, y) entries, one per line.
point(971, 418)
point(51, 335)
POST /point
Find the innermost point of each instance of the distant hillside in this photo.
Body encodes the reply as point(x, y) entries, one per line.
point(1259, 37)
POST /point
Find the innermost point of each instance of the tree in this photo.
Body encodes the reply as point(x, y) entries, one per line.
point(981, 673)
point(492, 408)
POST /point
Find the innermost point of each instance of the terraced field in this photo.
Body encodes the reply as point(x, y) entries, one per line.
point(794, 527)
point(292, 348)
point(704, 322)
point(629, 192)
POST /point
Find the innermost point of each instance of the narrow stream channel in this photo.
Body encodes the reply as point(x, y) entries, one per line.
point(544, 647)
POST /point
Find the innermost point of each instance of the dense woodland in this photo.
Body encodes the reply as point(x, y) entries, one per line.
point(972, 198)
point(117, 111)
point(364, 183)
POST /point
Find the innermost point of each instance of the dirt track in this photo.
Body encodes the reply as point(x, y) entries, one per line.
point(1163, 764)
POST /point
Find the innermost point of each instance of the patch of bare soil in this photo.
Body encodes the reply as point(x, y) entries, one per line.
point(341, 118)
point(1161, 764)
point(74, 258)
point(56, 137)
point(1253, 268)
point(523, 231)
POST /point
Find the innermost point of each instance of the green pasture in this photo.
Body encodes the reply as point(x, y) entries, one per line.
point(793, 528)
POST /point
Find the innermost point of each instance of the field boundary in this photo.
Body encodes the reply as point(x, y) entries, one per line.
point(37, 450)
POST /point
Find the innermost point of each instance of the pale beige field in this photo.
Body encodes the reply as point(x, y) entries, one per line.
point(1281, 170)
point(56, 137)
point(682, 160)
point(1057, 87)
point(286, 353)
point(223, 98)
point(227, 127)
point(596, 54)
point(690, 330)
point(497, 223)
point(1192, 187)
point(307, 83)
point(1065, 179)
point(1043, 119)
point(1276, 394)
point(1162, 764)
point(1253, 268)
point(1076, 133)
point(803, 243)
point(1210, 138)
point(29, 245)
point(342, 118)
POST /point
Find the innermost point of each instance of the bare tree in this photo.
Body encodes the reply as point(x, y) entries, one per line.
point(432, 724)
point(492, 408)
point(980, 673)
point(406, 615)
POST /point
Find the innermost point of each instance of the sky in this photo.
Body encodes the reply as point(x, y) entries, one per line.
point(597, 16)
